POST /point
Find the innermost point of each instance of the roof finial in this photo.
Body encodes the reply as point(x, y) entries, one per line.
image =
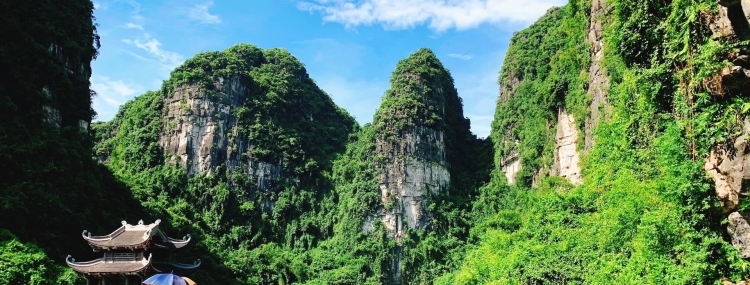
point(140, 222)
point(124, 222)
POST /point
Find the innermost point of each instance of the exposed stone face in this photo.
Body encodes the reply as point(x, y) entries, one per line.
point(739, 231)
point(200, 133)
point(729, 168)
point(598, 78)
point(566, 153)
point(414, 168)
point(52, 116)
point(511, 165)
point(198, 125)
point(506, 91)
point(732, 22)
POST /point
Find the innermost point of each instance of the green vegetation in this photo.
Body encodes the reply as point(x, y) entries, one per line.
point(51, 188)
point(28, 264)
point(547, 59)
point(646, 212)
point(284, 118)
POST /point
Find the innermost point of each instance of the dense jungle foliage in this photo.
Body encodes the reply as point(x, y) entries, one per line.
point(313, 232)
point(645, 213)
point(50, 189)
point(285, 118)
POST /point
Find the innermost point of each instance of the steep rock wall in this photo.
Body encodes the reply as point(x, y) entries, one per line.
point(534, 108)
point(511, 165)
point(414, 168)
point(423, 153)
point(200, 134)
point(198, 126)
point(732, 22)
point(728, 165)
point(567, 158)
point(598, 78)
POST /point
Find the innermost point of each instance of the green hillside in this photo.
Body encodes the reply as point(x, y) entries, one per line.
point(617, 156)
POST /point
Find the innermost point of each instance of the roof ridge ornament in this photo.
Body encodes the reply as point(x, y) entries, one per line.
point(140, 222)
point(149, 258)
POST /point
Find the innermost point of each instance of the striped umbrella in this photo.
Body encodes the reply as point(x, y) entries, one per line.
point(165, 279)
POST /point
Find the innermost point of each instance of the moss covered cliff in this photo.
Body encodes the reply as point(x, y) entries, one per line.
point(652, 87)
point(618, 154)
point(50, 188)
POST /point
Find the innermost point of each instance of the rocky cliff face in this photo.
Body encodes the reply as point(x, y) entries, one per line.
point(200, 129)
point(733, 23)
point(414, 167)
point(238, 120)
point(519, 125)
point(422, 142)
point(566, 155)
point(598, 78)
point(411, 146)
point(729, 164)
point(251, 115)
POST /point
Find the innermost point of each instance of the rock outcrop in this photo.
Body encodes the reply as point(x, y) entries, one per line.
point(414, 168)
point(566, 154)
point(739, 231)
point(200, 130)
point(729, 167)
point(511, 165)
point(422, 140)
point(598, 78)
point(732, 22)
point(223, 110)
point(728, 164)
point(412, 159)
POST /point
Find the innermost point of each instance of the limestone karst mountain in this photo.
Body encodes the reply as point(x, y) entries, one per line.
point(424, 150)
point(618, 154)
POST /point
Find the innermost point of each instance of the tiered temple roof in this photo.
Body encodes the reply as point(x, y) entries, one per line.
point(124, 265)
point(124, 252)
point(138, 236)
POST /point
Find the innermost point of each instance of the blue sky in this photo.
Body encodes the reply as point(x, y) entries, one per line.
point(349, 47)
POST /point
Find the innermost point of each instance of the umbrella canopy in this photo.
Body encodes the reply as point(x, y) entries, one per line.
point(189, 282)
point(165, 279)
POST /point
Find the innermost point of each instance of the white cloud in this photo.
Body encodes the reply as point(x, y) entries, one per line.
point(440, 15)
point(133, 26)
point(113, 92)
point(168, 59)
point(136, 14)
point(200, 14)
point(461, 56)
point(97, 5)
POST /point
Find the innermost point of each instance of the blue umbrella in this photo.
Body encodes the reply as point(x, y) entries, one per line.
point(165, 279)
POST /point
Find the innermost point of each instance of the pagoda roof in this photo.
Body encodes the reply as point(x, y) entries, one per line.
point(103, 267)
point(130, 236)
point(176, 268)
point(170, 243)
